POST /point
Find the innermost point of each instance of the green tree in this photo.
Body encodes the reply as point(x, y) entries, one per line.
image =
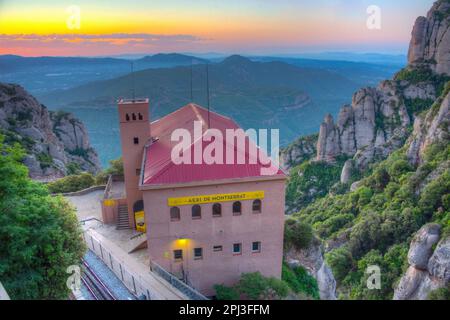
point(39, 234)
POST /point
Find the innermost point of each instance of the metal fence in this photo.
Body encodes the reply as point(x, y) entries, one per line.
point(177, 283)
point(133, 282)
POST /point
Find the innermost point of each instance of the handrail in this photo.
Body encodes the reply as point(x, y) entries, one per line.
point(177, 283)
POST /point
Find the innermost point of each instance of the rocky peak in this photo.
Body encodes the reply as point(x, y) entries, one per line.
point(430, 42)
point(429, 268)
point(377, 121)
point(56, 143)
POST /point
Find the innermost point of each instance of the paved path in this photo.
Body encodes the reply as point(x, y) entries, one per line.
point(88, 205)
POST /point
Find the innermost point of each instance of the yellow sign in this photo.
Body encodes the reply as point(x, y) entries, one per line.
point(139, 217)
point(109, 203)
point(212, 198)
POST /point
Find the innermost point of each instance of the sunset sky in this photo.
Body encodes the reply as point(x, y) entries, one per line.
point(45, 27)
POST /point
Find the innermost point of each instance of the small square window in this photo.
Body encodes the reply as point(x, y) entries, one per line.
point(237, 248)
point(178, 255)
point(136, 140)
point(256, 247)
point(217, 248)
point(198, 253)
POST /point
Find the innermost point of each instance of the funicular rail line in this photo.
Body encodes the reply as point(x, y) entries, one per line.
point(94, 284)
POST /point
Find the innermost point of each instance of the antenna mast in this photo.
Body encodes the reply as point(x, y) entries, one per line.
point(207, 92)
point(132, 81)
point(192, 95)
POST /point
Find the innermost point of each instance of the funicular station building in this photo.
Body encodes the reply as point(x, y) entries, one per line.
point(204, 223)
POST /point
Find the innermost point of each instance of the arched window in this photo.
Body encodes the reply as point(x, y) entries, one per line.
point(196, 212)
point(237, 208)
point(174, 214)
point(133, 116)
point(127, 117)
point(257, 206)
point(217, 210)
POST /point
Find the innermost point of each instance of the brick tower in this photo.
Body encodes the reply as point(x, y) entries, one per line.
point(134, 122)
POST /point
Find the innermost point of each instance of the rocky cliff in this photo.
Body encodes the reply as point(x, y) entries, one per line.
point(430, 43)
point(429, 265)
point(377, 218)
point(377, 121)
point(56, 143)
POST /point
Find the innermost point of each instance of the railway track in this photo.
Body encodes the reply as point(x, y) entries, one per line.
point(94, 284)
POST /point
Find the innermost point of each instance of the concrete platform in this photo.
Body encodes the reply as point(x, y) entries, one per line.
point(119, 243)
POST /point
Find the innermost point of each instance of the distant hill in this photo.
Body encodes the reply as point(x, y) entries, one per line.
point(256, 94)
point(43, 74)
point(363, 73)
point(162, 60)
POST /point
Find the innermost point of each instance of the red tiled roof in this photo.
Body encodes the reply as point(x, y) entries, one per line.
point(159, 169)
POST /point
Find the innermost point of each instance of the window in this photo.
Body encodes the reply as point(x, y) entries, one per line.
point(136, 140)
point(127, 117)
point(174, 214)
point(256, 247)
point(140, 116)
point(237, 248)
point(198, 253)
point(196, 212)
point(138, 172)
point(217, 248)
point(256, 207)
point(237, 208)
point(133, 116)
point(178, 255)
point(217, 210)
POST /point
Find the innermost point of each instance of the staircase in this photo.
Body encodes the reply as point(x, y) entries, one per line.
point(122, 221)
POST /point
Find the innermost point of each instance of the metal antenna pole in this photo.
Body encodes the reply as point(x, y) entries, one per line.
point(132, 81)
point(192, 95)
point(207, 92)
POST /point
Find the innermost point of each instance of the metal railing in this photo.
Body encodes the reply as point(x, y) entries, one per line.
point(177, 283)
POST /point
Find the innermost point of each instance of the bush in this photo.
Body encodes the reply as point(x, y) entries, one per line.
point(440, 294)
point(300, 281)
point(72, 183)
point(115, 168)
point(40, 234)
point(253, 286)
point(341, 262)
point(297, 234)
point(226, 293)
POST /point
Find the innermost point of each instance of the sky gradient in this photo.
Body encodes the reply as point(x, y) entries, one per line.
point(35, 28)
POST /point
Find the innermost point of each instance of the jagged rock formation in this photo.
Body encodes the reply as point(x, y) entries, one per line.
point(54, 141)
point(376, 123)
point(430, 41)
point(312, 260)
point(434, 126)
point(427, 270)
point(297, 152)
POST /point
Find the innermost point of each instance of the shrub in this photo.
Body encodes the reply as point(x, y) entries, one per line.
point(72, 183)
point(300, 281)
point(440, 294)
point(253, 286)
point(297, 234)
point(341, 262)
point(226, 293)
point(115, 168)
point(40, 234)
point(45, 160)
